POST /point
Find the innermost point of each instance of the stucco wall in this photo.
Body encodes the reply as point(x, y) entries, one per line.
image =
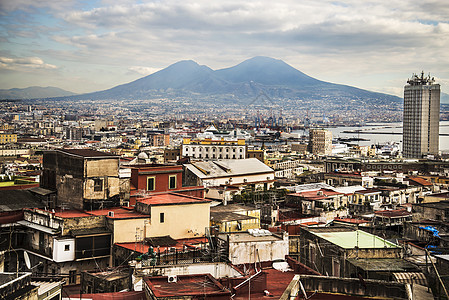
point(246, 252)
point(101, 167)
point(180, 221)
point(125, 230)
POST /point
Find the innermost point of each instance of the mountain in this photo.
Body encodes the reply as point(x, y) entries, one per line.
point(240, 83)
point(34, 92)
point(444, 98)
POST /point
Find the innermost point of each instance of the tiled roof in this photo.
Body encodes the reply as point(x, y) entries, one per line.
point(171, 199)
point(393, 213)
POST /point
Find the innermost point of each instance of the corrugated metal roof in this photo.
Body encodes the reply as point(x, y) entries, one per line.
point(351, 239)
point(231, 167)
point(383, 264)
point(45, 286)
point(411, 277)
point(38, 227)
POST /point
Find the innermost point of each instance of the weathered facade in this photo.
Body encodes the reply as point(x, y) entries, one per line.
point(327, 250)
point(83, 179)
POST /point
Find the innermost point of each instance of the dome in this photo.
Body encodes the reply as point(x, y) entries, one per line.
point(142, 155)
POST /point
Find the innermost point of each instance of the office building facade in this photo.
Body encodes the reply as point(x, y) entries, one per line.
point(421, 117)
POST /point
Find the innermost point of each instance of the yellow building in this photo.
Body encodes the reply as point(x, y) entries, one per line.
point(178, 216)
point(6, 138)
point(234, 217)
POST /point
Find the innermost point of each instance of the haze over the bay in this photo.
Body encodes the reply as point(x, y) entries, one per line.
point(86, 46)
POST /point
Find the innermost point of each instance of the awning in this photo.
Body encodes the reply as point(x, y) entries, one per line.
point(411, 277)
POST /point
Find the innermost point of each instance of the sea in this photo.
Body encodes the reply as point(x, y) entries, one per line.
point(382, 133)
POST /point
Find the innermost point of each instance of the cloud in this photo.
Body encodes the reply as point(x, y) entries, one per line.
point(142, 70)
point(324, 38)
point(32, 5)
point(24, 63)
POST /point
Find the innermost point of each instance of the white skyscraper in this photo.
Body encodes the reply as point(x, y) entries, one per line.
point(421, 117)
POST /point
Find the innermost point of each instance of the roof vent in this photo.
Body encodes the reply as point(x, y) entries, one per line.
point(110, 214)
point(172, 278)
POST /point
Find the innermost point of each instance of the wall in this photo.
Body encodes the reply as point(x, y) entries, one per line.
point(245, 251)
point(161, 174)
point(44, 218)
point(60, 254)
point(83, 223)
point(217, 270)
point(101, 167)
point(352, 286)
point(232, 226)
point(244, 179)
point(69, 191)
point(179, 219)
point(125, 230)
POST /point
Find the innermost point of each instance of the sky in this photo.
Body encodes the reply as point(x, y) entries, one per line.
point(85, 46)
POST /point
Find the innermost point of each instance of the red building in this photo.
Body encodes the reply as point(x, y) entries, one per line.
point(156, 178)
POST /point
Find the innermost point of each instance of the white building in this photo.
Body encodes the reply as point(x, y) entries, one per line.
point(421, 117)
point(214, 149)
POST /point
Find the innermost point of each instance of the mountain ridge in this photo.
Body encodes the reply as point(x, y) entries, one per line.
point(240, 83)
point(34, 92)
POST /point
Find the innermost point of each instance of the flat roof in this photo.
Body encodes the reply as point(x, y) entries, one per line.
point(87, 153)
point(172, 199)
point(228, 216)
point(232, 208)
point(354, 238)
point(242, 237)
point(119, 213)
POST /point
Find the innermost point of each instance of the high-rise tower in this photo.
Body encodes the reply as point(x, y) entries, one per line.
point(421, 123)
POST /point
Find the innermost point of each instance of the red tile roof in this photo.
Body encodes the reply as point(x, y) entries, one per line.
point(181, 243)
point(393, 213)
point(172, 199)
point(203, 285)
point(420, 181)
point(119, 213)
point(71, 213)
point(317, 195)
point(277, 282)
point(351, 221)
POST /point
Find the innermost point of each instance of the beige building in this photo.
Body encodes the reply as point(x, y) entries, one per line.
point(320, 141)
point(421, 117)
point(176, 215)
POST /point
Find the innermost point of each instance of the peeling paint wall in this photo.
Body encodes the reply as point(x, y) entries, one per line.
point(253, 251)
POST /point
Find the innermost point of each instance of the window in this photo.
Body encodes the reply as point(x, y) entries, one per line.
point(67, 247)
point(161, 218)
point(172, 182)
point(151, 183)
point(72, 276)
point(98, 185)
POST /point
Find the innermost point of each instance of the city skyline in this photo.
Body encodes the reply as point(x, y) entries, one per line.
point(86, 47)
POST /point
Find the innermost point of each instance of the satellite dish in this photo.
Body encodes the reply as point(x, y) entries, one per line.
point(27, 260)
